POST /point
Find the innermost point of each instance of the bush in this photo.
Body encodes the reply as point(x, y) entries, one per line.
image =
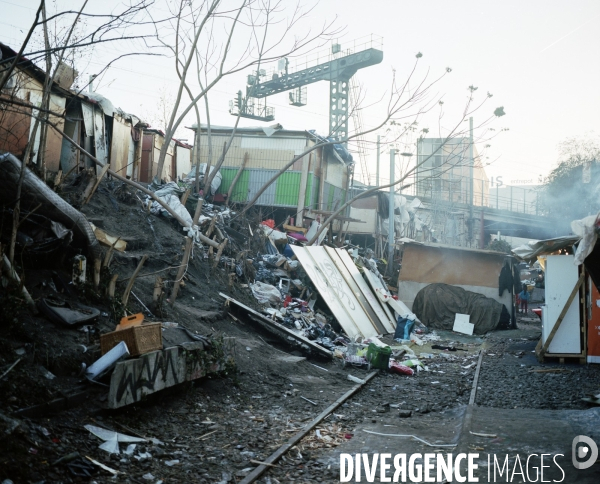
point(500, 246)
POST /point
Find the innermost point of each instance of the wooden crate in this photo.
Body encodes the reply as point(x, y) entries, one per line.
point(139, 339)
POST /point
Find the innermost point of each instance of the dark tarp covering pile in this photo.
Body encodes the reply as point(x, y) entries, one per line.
point(437, 304)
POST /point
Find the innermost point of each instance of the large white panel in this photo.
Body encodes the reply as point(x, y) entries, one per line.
point(561, 277)
point(388, 323)
point(335, 258)
point(380, 291)
point(334, 291)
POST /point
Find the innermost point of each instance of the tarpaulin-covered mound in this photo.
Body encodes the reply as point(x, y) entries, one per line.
point(437, 305)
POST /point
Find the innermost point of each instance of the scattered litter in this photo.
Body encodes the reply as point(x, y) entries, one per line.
point(106, 362)
point(143, 456)
point(309, 401)
point(130, 449)
point(171, 463)
point(47, 374)
point(102, 466)
point(396, 367)
point(491, 436)
point(355, 380)
point(111, 438)
point(410, 437)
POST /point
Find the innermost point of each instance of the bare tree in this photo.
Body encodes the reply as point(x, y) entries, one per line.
point(250, 24)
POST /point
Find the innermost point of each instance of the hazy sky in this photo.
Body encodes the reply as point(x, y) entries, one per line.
point(539, 59)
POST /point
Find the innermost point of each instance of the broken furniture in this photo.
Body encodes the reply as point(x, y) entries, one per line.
point(64, 312)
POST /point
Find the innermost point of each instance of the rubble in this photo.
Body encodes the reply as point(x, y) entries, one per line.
point(264, 333)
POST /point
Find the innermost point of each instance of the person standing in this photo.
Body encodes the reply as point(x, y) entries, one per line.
point(524, 297)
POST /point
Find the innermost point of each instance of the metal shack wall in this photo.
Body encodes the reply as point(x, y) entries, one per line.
point(266, 156)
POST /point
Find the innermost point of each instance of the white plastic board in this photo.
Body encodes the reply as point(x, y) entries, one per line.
point(334, 291)
point(388, 323)
point(561, 277)
point(462, 324)
point(333, 255)
point(380, 291)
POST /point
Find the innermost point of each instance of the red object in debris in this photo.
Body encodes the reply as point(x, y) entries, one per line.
point(348, 436)
point(538, 311)
point(298, 236)
point(396, 367)
point(395, 298)
point(269, 223)
point(287, 301)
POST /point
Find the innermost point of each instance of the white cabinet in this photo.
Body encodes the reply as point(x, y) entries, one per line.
point(561, 276)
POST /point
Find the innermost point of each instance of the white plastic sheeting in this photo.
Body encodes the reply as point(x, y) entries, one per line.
point(531, 250)
point(170, 195)
point(586, 229)
point(265, 293)
point(216, 182)
point(401, 221)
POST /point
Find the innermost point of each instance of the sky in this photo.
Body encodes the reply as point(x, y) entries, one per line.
point(539, 59)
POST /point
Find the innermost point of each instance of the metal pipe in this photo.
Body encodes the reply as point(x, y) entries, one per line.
point(378, 155)
point(391, 213)
point(471, 163)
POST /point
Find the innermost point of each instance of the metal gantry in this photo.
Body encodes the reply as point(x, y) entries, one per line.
point(337, 71)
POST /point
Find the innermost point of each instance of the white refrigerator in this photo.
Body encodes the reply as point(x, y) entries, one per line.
point(561, 276)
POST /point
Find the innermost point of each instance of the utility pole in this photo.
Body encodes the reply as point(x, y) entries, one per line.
point(378, 153)
point(471, 166)
point(91, 83)
point(391, 231)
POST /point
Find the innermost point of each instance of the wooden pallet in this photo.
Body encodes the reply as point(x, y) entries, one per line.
point(562, 358)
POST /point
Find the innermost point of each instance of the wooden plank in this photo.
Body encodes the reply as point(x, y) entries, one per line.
point(387, 322)
point(275, 324)
point(293, 228)
point(562, 315)
point(333, 255)
point(132, 280)
point(380, 291)
point(98, 180)
point(109, 240)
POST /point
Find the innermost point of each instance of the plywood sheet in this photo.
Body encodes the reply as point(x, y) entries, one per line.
point(335, 291)
point(426, 264)
point(380, 291)
point(388, 322)
point(119, 147)
point(333, 255)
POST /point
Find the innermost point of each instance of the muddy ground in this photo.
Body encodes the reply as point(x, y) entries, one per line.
point(214, 430)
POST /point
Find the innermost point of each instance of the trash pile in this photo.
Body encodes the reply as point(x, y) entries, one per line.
point(321, 295)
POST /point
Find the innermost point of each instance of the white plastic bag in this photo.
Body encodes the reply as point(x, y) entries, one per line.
point(265, 293)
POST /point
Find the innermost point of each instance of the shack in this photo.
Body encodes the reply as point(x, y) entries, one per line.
point(474, 270)
point(315, 185)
